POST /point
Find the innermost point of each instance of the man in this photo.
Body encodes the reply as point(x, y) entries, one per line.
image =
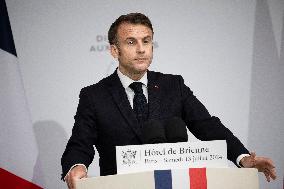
point(111, 112)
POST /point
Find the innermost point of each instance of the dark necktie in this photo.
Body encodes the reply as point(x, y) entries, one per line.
point(140, 106)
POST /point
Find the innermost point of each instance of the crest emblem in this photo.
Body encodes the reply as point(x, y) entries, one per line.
point(129, 157)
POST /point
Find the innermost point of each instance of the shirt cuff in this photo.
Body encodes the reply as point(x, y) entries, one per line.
point(73, 167)
point(241, 157)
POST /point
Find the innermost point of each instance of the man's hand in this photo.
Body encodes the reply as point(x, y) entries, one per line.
point(263, 164)
point(75, 174)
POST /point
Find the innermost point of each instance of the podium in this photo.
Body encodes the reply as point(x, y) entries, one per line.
point(192, 178)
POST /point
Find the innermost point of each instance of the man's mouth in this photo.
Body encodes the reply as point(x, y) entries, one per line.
point(140, 59)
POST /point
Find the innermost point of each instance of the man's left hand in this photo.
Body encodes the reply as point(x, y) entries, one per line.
point(263, 164)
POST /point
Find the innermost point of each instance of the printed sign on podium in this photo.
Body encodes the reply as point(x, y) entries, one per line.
point(148, 157)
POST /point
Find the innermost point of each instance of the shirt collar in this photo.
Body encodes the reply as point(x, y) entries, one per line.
point(126, 81)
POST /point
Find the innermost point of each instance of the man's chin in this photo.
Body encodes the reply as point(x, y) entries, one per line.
point(140, 70)
point(142, 66)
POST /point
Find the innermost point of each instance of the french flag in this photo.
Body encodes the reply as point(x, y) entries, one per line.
point(19, 153)
point(193, 178)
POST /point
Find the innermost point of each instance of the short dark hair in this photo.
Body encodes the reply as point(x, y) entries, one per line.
point(132, 18)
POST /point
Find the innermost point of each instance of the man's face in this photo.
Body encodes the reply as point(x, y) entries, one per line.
point(134, 49)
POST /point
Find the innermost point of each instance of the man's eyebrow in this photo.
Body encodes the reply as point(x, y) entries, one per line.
point(133, 38)
point(148, 36)
point(130, 38)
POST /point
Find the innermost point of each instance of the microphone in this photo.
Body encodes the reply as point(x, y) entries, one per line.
point(153, 132)
point(176, 130)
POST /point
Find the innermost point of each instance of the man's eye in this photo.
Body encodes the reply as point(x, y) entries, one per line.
point(147, 41)
point(130, 42)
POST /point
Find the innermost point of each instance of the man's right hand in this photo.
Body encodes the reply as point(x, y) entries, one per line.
point(74, 175)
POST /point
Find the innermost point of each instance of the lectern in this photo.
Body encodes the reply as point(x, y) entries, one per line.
point(192, 178)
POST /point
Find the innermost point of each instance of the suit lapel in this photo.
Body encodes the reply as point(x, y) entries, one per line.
point(120, 98)
point(154, 93)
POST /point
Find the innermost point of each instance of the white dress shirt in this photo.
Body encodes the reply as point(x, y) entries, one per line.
point(126, 81)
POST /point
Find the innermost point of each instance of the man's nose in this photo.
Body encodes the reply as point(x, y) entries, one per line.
point(140, 48)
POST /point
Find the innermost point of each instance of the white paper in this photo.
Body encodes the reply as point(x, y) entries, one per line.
point(147, 157)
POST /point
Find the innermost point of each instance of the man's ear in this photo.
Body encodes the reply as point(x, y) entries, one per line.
point(114, 51)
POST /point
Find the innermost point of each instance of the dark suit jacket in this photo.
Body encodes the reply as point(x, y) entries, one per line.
point(105, 119)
